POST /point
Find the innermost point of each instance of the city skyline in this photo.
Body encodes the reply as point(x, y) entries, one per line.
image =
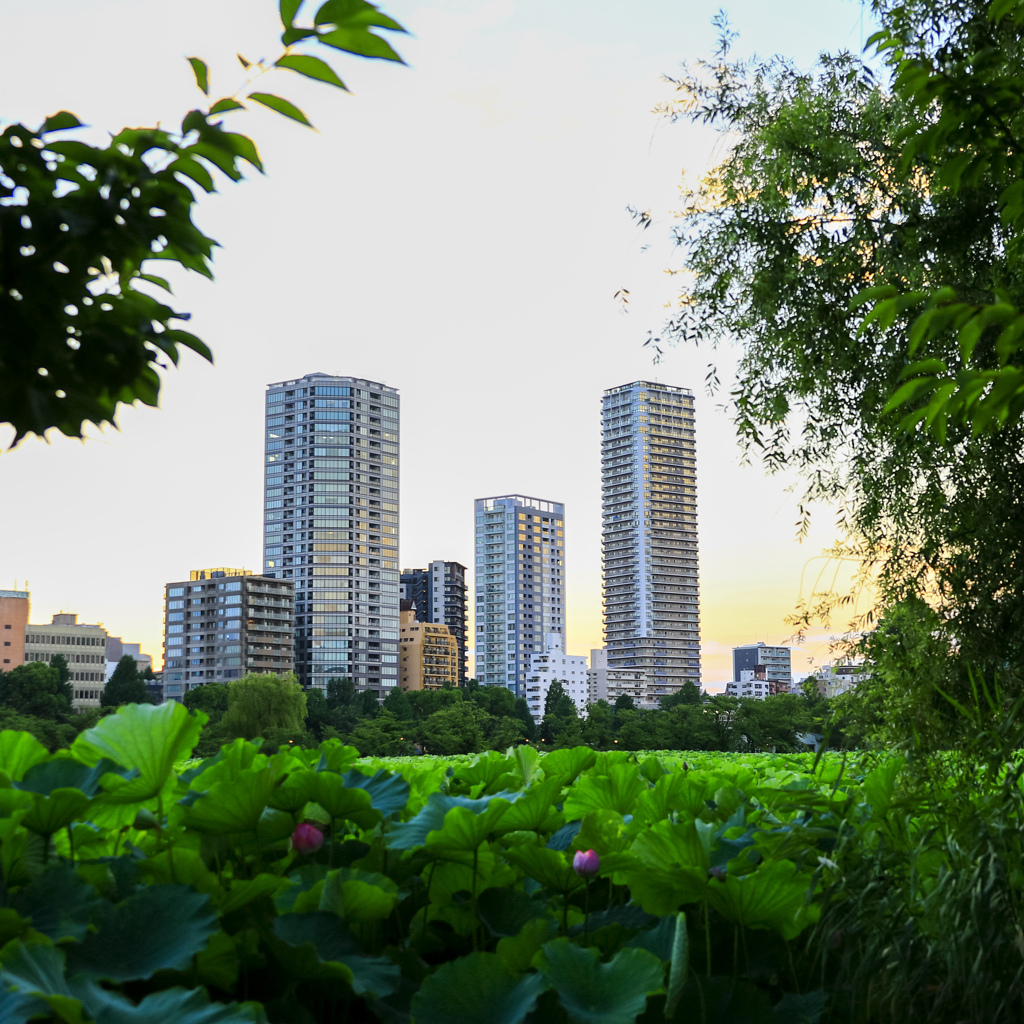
point(455, 229)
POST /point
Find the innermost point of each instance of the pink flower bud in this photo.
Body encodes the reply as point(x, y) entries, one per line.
point(586, 864)
point(307, 838)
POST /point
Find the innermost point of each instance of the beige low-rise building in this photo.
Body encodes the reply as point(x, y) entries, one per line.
point(428, 653)
point(83, 645)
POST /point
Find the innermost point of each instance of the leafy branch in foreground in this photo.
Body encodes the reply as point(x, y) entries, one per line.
point(82, 329)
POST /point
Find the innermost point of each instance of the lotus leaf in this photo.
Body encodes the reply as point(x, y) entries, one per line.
point(476, 988)
point(595, 993)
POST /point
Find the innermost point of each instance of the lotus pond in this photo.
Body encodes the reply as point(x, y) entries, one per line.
point(318, 886)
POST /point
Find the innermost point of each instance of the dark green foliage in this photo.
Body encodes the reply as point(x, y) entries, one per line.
point(459, 728)
point(60, 663)
point(258, 703)
point(398, 703)
point(688, 693)
point(84, 329)
point(35, 689)
point(383, 735)
point(624, 703)
point(367, 704)
point(841, 179)
point(125, 686)
point(211, 698)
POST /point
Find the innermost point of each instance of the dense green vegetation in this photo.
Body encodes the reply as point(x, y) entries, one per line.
point(311, 885)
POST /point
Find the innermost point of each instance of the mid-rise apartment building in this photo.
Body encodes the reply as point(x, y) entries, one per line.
point(84, 646)
point(751, 683)
point(776, 662)
point(331, 524)
point(520, 584)
point(428, 653)
point(549, 665)
point(609, 684)
point(221, 624)
point(438, 594)
point(649, 502)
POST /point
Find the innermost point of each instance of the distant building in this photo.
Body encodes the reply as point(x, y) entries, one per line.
point(604, 683)
point(833, 680)
point(428, 654)
point(649, 505)
point(331, 524)
point(83, 645)
point(553, 664)
point(752, 684)
point(438, 594)
point(520, 585)
point(117, 649)
point(14, 613)
point(221, 624)
point(776, 661)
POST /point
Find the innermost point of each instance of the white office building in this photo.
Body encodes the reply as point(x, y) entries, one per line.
point(776, 662)
point(553, 663)
point(649, 501)
point(331, 524)
point(520, 585)
point(604, 683)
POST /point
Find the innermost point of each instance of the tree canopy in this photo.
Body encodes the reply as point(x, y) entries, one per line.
point(125, 686)
point(853, 201)
point(258, 703)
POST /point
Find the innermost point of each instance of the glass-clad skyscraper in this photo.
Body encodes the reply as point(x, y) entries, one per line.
point(331, 524)
point(520, 584)
point(649, 502)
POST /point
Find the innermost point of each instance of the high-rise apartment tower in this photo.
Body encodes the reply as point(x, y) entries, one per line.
point(520, 584)
point(649, 501)
point(331, 524)
point(438, 594)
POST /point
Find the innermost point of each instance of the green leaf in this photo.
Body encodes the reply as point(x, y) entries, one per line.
point(58, 903)
point(160, 927)
point(389, 791)
point(310, 67)
point(358, 896)
point(60, 121)
point(281, 106)
point(38, 970)
point(775, 896)
point(233, 805)
point(505, 911)
point(288, 9)
point(149, 737)
point(177, 1005)
point(333, 943)
point(595, 993)
point(474, 989)
point(408, 835)
point(567, 764)
point(679, 966)
point(19, 751)
point(551, 868)
point(616, 791)
point(226, 105)
point(202, 73)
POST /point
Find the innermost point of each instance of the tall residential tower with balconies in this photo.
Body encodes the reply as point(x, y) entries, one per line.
point(331, 524)
point(520, 585)
point(649, 502)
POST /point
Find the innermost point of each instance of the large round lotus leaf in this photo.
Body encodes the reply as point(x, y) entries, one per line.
point(597, 993)
point(58, 903)
point(475, 989)
point(160, 927)
point(776, 896)
point(389, 792)
point(172, 1006)
point(233, 806)
point(334, 943)
point(149, 737)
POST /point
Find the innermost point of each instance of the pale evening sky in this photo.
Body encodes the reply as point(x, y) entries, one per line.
point(456, 229)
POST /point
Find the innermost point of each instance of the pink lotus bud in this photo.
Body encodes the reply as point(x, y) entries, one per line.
point(587, 864)
point(307, 838)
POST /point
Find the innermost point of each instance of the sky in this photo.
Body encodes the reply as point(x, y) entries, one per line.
point(455, 228)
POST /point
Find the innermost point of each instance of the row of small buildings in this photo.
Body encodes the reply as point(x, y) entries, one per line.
point(92, 653)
